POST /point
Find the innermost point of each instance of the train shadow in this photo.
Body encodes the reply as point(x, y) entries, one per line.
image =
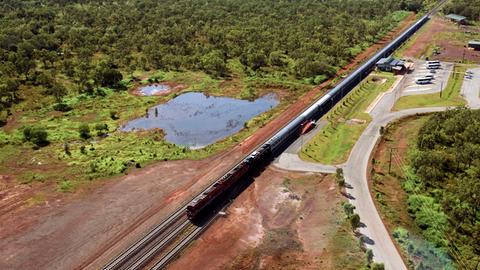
point(228, 196)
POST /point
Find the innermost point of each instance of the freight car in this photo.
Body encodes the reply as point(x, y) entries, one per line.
point(292, 130)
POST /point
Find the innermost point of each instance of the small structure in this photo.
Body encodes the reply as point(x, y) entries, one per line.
point(391, 64)
point(473, 44)
point(457, 18)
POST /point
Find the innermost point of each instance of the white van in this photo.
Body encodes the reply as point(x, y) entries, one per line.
point(423, 80)
point(433, 62)
point(433, 66)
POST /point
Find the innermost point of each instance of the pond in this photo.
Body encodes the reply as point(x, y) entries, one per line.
point(153, 89)
point(196, 120)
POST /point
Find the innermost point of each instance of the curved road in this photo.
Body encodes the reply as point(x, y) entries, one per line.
point(355, 169)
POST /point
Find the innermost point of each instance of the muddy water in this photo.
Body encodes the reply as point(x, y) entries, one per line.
point(153, 89)
point(196, 120)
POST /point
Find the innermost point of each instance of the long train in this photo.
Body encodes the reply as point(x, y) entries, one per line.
point(276, 144)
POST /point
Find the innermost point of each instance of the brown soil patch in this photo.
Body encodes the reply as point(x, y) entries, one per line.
point(284, 220)
point(114, 213)
point(436, 33)
point(425, 36)
point(454, 52)
point(58, 232)
point(12, 122)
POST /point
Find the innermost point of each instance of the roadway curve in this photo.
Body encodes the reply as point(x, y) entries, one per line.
point(355, 169)
point(378, 238)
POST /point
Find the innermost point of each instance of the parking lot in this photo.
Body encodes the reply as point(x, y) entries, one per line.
point(441, 75)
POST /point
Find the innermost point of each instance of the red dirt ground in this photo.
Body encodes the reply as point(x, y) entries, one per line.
point(78, 231)
point(274, 224)
point(450, 50)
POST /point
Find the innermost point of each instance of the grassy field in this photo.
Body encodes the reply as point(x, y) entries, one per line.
point(450, 95)
point(346, 250)
point(333, 144)
point(387, 189)
point(68, 161)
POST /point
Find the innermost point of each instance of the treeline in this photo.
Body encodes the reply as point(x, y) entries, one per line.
point(467, 8)
point(61, 45)
point(445, 194)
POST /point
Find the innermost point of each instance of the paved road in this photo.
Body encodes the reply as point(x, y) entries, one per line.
point(471, 89)
point(378, 238)
point(292, 162)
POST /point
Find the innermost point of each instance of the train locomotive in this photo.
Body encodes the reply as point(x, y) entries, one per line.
point(276, 144)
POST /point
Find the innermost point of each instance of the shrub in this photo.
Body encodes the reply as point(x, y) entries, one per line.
point(348, 208)
point(101, 129)
point(355, 221)
point(84, 131)
point(62, 107)
point(114, 115)
point(377, 266)
point(65, 186)
point(27, 133)
point(369, 256)
point(66, 148)
point(429, 217)
point(37, 135)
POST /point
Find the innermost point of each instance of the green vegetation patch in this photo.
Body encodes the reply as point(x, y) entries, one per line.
point(347, 250)
point(443, 187)
point(333, 143)
point(415, 219)
point(423, 254)
point(440, 179)
point(84, 142)
point(450, 96)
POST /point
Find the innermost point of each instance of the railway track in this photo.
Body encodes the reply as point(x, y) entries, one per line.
point(142, 251)
point(162, 244)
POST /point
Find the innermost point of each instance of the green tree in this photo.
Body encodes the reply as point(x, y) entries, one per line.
point(214, 63)
point(377, 266)
point(84, 131)
point(101, 129)
point(355, 221)
point(348, 208)
point(37, 135)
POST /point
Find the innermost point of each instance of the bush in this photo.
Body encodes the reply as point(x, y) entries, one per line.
point(369, 256)
point(377, 266)
point(355, 221)
point(348, 208)
point(37, 135)
point(65, 186)
point(27, 133)
point(84, 131)
point(101, 129)
point(429, 217)
point(62, 107)
point(114, 115)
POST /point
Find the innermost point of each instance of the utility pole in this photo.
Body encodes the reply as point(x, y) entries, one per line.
point(441, 89)
point(390, 162)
